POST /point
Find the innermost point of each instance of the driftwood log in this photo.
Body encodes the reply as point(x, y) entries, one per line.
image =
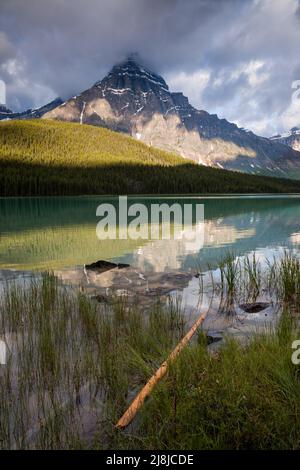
point(138, 402)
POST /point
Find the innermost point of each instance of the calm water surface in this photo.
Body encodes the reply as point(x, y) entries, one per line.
point(60, 233)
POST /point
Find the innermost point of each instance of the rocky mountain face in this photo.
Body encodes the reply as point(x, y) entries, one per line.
point(6, 113)
point(134, 100)
point(291, 138)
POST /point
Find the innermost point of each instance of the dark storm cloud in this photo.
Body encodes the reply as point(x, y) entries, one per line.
point(7, 50)
point(243, 52)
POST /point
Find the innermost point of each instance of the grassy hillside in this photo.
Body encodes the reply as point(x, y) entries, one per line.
point(42, 157)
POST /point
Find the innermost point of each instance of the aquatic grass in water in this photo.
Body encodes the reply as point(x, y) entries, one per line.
point(253, 277)
point(74, 365)
point(72, 362)
point(230, 270)
point(245, 280)
point(283, 279)
point(289, 278)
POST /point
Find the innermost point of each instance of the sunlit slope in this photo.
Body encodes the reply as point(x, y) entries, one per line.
point(41, 157)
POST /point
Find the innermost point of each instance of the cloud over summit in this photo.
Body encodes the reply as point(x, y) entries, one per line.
point(231, 57)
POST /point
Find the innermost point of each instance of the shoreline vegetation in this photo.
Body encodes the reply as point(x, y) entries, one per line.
point(74, 365)
point(48, 158)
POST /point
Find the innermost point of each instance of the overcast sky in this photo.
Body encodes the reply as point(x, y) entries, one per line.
point(235, 58)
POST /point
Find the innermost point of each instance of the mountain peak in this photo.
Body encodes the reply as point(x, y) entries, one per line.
point(131, 73)
point(290, 138)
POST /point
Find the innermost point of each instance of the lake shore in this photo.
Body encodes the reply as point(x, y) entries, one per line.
point(74, 363)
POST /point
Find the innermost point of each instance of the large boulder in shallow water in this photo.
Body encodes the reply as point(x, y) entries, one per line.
point(255, 307)
point(102, 266)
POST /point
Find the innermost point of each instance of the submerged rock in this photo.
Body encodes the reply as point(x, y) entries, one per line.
point(103, 265)
point(123, 265)
point(144, 288)
point(100, 298)
point(213, 337)
point(254, 307)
